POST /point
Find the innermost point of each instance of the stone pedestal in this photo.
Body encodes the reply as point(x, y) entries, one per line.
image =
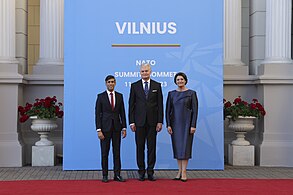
point(241, 155)
point(43, 155)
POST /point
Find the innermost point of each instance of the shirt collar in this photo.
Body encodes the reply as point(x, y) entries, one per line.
point(108, 92)
point(144, 81)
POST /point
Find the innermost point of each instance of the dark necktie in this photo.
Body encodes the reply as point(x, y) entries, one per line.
point(112, 100)
point(146, 89)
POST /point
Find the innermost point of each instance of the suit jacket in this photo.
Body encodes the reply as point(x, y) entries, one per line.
point(105, 115)
point(145, 110)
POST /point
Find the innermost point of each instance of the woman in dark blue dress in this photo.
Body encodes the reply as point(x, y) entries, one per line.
point(181, 117)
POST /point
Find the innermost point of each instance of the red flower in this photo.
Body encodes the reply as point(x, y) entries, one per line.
point(37, 104)
point(60, 114)
point(258, 105)
point(254, 100)
point(57, 109)
point(27, 108)
point(21, 110)
point(23, 118)
point(47, 103)
point(252, 106)
point(227, 104)
point(237, 100)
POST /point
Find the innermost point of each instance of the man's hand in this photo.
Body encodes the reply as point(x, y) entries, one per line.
point(101, 135)
point(170, 131)
point(192, 130)
point(159, 127)
point(123, 133)
point(133, 127)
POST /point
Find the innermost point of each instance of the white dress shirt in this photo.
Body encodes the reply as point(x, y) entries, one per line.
point(143, 83)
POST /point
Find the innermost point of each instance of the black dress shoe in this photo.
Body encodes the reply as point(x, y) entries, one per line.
point(151, 178)
point(119, 178)
point(184, 180)
point(141, 177)
point(105, 179)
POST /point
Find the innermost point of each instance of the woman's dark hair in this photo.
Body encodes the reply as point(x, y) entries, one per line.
point(109, 77)
point(180, 74)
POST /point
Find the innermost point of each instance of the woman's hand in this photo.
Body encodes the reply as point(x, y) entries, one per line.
point(192, 130)
point(133, 127)
point(123, 132)
point(170, 130)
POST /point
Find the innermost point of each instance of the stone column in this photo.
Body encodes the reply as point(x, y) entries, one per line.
point(7, 32)
point(278, 31)
point(11, 149)
point(51, 59)
point(232, 38)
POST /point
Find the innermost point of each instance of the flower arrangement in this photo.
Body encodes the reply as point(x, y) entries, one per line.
point(243, 108)
point(46, 108)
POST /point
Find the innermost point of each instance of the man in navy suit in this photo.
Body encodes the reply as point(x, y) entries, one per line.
point(110, 122)
point(146, 118)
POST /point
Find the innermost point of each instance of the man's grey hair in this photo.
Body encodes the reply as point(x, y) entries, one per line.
point(145, 64)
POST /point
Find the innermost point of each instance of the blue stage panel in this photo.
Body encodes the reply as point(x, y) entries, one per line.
point(114, 37)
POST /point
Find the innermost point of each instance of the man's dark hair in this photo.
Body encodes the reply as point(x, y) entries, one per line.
point(180, 74)
point(109, 77)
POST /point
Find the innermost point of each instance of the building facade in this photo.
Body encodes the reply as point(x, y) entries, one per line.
point(257, 64)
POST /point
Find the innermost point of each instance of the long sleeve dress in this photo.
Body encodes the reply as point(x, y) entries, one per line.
point(181, 115)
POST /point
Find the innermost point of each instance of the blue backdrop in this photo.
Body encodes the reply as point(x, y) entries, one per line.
point(114, 37)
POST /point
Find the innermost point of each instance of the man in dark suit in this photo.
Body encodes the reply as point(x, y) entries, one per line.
point(110, 121)
point(146, 118)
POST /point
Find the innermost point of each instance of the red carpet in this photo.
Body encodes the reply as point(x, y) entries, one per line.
point(161, 186)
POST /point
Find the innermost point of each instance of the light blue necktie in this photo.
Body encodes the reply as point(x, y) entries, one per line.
point(146, 89)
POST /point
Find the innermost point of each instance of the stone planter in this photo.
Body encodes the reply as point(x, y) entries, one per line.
point(241, 126)
point(43, 128)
